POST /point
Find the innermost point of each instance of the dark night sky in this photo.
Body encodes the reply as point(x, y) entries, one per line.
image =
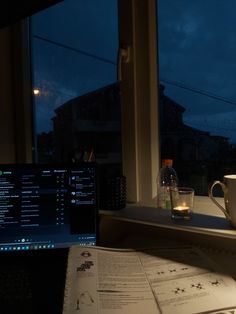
point(80, 55)
point(197, 46)
point(197, 51)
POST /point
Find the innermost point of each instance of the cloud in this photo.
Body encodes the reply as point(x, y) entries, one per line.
point(197, 41)
point(197, 48)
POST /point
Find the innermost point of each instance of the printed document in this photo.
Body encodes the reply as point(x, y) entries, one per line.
point(180, 280)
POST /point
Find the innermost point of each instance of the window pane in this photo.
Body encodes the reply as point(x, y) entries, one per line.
point(76, 93)
point(197, 68)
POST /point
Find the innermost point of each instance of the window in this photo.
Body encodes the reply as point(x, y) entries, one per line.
point(76, 93)
point(197, 70)
point(137, 31)
point(137, 88)
point(140, 154)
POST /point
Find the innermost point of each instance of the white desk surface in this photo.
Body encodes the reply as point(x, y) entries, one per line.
point(212, 231)
point(202, 223)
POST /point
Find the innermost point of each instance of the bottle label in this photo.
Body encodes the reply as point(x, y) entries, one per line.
point(168, 204)
point(164, 198)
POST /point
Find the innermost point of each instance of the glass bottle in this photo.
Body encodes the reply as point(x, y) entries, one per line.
point(167, 178)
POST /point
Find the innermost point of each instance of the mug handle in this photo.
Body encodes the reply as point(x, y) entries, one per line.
point(223, 186)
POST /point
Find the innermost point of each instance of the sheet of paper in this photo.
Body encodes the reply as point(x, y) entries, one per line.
point(161, 280)
point(185, 281)
point(108, 282)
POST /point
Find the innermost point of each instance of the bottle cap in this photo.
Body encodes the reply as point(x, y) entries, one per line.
point(167, 162)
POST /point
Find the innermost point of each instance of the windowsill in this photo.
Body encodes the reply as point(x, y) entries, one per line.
point(207, 223)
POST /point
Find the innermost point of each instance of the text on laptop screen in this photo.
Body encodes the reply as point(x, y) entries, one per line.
point(47, 206)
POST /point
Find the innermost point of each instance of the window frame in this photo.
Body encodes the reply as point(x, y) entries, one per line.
point(15, 82)
point(139, 100)
point(22, 96)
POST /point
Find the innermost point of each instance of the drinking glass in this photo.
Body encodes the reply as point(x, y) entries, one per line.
point(181, 203)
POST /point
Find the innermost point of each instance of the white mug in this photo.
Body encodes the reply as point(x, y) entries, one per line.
point(229, 188)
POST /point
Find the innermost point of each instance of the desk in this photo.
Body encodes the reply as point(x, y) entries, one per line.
point(46, 270)
point(138, 226)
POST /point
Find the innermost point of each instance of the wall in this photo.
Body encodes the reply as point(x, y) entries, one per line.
point(7, 119)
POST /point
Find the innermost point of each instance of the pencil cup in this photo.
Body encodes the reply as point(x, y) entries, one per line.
point(113, 193)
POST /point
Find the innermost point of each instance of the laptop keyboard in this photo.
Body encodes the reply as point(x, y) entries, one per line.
point(33, 282)
point(15, 290)
point(15, 284)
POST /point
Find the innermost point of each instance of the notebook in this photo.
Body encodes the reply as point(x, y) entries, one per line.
point(44, 210)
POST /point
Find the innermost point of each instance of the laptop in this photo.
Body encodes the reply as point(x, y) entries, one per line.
point(44, 210)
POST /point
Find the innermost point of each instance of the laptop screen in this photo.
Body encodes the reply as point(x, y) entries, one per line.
point(47, 206)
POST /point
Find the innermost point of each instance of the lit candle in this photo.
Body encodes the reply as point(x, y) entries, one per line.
point(181, 210)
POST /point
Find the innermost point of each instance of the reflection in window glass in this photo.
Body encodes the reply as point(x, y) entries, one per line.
point(74, 68)
point(197, 68)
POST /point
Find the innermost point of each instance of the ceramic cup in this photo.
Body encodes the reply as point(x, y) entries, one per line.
point(228, 185)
